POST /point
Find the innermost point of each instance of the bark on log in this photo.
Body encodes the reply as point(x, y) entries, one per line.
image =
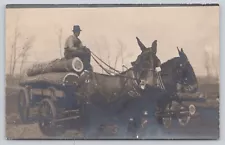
point(206, 104)
point(58, 65)
point(191, 95)
point(60, 78)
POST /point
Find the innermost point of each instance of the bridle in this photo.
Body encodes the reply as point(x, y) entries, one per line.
point(181, 80)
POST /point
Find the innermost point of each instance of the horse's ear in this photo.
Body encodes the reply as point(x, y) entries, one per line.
point(183, 54)
point(178, 50)
point(182, 50)
point(154, 46)
point(141, 45)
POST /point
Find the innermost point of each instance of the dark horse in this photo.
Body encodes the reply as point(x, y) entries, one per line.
point(176, 76)
point(106, 90)
point(109, 94)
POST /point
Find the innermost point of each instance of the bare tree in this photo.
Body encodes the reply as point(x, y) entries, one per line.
point(19, 54)
point(59, 34)
point(106, 47)
point(211, 64)
point(122, 48)
point(207, 63)
point(24, 54)
point(98, 51)
point(215, 64)
point(14, 49)
point(116, 60)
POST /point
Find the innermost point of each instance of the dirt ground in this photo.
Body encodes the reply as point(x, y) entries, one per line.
point(15, 130)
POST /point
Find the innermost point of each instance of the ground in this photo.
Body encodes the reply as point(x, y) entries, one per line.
point(199, 128)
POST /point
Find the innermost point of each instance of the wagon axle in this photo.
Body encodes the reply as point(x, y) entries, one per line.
point(65, 119)
point(172, 114)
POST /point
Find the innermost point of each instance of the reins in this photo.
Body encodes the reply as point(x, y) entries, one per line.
point(95, 57)
point(103, 63)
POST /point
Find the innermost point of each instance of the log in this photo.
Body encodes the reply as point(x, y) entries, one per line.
point(196, 95)
point(58, 65)
point(207, 104)
point(55, 78)
point(47, 92)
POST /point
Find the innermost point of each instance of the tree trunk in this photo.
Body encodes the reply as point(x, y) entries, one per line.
point(58, 65)
point(53, 78)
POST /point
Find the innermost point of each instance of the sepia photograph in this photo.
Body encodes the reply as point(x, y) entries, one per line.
point(112, 72)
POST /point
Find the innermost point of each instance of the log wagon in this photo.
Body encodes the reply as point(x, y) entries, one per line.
point(50, 90)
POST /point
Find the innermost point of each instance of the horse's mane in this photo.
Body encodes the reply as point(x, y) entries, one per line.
point(108, 75)
point(169, 63)
point(123, 72)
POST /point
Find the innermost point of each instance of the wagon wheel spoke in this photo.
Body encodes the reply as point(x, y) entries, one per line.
point(23, 105)
point(167, 121)
point(47, 115)
point(47, 112)
point(184, 120)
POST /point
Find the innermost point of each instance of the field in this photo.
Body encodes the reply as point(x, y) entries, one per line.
point(199, 128)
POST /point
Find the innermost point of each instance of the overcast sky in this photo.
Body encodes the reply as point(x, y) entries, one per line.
point(192, 28)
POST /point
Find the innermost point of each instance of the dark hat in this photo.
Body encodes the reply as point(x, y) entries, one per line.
point(76, 28)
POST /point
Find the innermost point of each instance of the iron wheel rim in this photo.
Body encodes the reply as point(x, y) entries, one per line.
point(22, 106)
point(46, 117)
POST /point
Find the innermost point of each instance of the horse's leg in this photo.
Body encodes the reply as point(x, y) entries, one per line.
point(163, 111)
point(92, 120)
point(137, 117)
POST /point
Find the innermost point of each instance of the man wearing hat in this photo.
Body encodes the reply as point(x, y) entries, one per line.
point(74, 47)
point(73, 44)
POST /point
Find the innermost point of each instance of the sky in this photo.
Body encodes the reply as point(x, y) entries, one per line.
point(106, 30)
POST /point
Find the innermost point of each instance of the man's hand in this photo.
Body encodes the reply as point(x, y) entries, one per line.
point(158, 69)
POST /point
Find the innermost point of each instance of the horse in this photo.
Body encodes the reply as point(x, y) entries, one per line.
point(176, 76)
point(110, 93)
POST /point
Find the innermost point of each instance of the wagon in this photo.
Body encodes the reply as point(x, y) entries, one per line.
point(193, 105)
point(50, 100)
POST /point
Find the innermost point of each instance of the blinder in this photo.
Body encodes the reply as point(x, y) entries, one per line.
point(181, 69)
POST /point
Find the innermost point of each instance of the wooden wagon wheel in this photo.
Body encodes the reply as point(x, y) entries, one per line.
point(184, 120)
point(24, 104)
point(165, 121)
point(52, 93)
point(47, 115)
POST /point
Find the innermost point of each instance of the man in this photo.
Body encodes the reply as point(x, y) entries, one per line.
point(74, 47)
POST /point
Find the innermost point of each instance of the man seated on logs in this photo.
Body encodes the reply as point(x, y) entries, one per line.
point(74, 48)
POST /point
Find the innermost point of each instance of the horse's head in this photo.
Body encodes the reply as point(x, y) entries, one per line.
point(185, 74)
point(144, 65)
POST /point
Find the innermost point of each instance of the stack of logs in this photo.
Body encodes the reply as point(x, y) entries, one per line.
point(55, 72)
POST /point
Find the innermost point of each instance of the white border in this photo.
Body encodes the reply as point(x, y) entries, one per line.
point(57, 142)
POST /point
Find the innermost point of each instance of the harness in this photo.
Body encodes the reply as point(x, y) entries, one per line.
point(129, 84)
point(133, 80)
point(160, 83)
